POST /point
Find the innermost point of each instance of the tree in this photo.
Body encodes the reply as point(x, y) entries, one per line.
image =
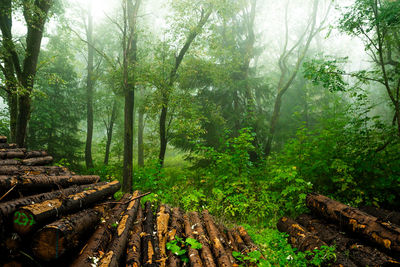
point(20, 78)
point(287, 75)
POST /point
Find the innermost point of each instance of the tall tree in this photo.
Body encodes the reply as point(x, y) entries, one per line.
point(131, 9)
point(90, 79)
point(288, 74)
point(21, 77)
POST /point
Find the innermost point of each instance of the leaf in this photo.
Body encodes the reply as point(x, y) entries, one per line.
point(193, 243)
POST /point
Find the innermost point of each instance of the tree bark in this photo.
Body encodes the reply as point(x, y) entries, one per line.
point(117, 248)
point(386, 236)
point(101, 238)
point(147, 244)
point(133, 250)
point(55, 239)
point(27, 218)
point(140, 138)
point(89, 90)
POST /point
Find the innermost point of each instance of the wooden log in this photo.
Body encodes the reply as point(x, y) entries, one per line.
point(163, 216)
point(239, 242)
point(147, 243)
point(12, 154)
point(117, 248)
point(101, 238)
point(133, 250)
point(3, 139)
point(200, 234)
point(232, 241)
point(194, 256)
point(225, 242)
point(36, 154)
point(359, 253)
point(33, 170)
point(30, 217)
point(217, 246)
point(37, 161)
point(7, 146)
point(383, 215)
point(383, 234)
point(10, 162)
point(55, 239)
point(176, 229)
point(246, 238)
point(44, 182)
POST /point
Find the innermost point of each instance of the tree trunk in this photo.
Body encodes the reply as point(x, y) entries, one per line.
point(128, 141)
point(140, 138)
point(274, 123)
point(32, 216)
point(53, 240)
point(24, 112)
point(110, 132)
point(386, 236)
point(163, 133)
point(89, 90)
point(13, 109)
point(117, 248)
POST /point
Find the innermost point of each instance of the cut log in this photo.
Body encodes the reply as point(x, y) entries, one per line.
point(7, 146)
point(194, 257)
point(162, 233)
point(12, 154)
point(147, 244)
point(30, 217)
point(53, 240)
point(3, 139)
point(38, 161)
point(232, 241)
point(35, 154)
point(175, 229)
point(101, 238)
point(383, 234)
point(133, 250)
point(33, 170)
point(358, 252)
point(10, 162)
point(44, 182)
point(383, 215)
point(201, 235)
point(119, 242)
point(217, 246)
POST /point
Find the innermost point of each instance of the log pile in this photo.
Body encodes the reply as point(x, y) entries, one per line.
point(50, 216)
point(362, 237)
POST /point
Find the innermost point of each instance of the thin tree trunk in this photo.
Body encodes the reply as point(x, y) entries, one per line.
point(140, 138)
point(89, 91)
point(110, 132)
point(13, 109)
point(128, 141)
point(163, 134)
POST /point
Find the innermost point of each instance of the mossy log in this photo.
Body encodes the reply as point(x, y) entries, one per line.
point(33, 170)
point(383, 234)
point(117, 247)
point(30, 217)
point(101, 238)
point(194, 256)
point(175, 229)
point(149, 258)
point(55, 239)
point(200, 234)
point(44, 182)
point(163, 216)
point(213, 233)
point(133, 249)
point(358, 252)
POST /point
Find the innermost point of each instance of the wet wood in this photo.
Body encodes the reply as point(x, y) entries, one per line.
point(133, 249)
point(175, 229)
point(383, 234)
point(163, 216)
point(35, 154)
point(383, 215)
point(11, 154)
point(214, 235)
point(3, 139)
point(194, 256)
point(53, 240)
point(117, 247)
point(33, 170)
point(200, 234)
point(38, 161)
point(7, 146)
point(32, 216)
point(359, 253)
point(147, 243)
point(101, 238)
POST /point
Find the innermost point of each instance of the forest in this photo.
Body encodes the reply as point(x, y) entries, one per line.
point(244, 108)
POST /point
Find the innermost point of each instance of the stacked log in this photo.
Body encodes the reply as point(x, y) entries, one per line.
point(50, 216)
point(360, 238)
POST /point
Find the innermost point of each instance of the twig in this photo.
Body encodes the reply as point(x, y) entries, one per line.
point(123, 203)
point(7, 192)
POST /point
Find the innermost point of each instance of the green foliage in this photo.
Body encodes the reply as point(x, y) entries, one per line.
point(179, 247)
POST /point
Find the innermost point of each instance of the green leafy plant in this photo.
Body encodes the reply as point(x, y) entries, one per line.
point(178, 246)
